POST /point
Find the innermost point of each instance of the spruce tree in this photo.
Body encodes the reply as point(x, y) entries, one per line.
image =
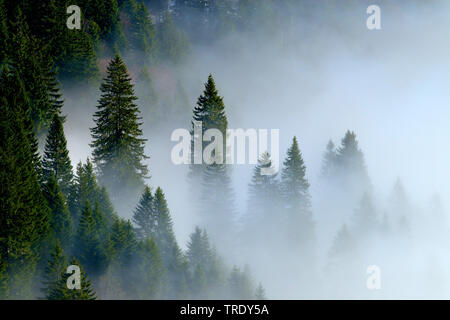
point(264, 197)
point(117, 143)
point(168, 247)
point(198, 249)
point(86, 292)
point(24, 213)
point(144, 216)
point(296, 197)
point(54, 272)
point(173, 42)
point(87, 188)
point(33, 70)
point(61, 224)
point(56, 159)
point(152, 280)
point(350, 162)
point(88, 245)
point(211, 183)
point(328, 169)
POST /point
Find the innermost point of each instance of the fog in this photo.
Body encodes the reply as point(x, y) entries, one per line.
point(316, 78)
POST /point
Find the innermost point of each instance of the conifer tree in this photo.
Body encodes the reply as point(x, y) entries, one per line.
point(296, 197)
point(61, 224)
point(199, 283)
point(264, 196)
point(350, 161)
point(167, 244)
point(56, 159)
point(144, 216)
point(173, 42)
point(199, 250)
point(87, 188)
point(88, 245)
point(329, 161)
point(86, 292)
point(24, 218)
point(54, 272)
point(33, 70)
point(152, 280)
point(211, 183)
point(117, 143)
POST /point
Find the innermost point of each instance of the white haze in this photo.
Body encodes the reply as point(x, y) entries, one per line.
point(390, 86)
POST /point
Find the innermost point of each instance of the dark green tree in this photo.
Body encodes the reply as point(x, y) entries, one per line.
point(61, 224)
point(152, 280)
point(54, 272)
point(173, 42)
point(86, 292)
point(24, 213)
point(56, 159)
point(117, 143)
point(88, 246)
point(144, 216)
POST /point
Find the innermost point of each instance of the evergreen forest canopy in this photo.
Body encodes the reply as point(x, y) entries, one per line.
point(133, 60)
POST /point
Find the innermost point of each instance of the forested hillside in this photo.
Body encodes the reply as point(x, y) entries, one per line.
point(139, 69)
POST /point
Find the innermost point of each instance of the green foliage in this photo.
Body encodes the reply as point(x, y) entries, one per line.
point(117, 143)
point(61, 224)
point(173, 42)
point(88, 245)
point(24, 213)
point(54, 272)
point(62, 292)
point(144, 215)
point(56, 159)
point(86, 188)
point(152, 275)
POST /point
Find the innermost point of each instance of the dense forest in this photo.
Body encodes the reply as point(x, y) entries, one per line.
point(129, 71)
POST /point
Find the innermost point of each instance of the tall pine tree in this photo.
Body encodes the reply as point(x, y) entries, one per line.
point(56, 159)
point(117, 143)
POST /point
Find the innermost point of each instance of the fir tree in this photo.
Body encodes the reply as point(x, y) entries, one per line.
point(350, 162)
point(54, 272)
point(152, 281)
point(88, 245)
point(56, 159)
point(144, 216)
point(86, 292)
point(24, 218)
point(61, 224)
point(118, 148)
point(296, 197)
point(264, 197)
point(173, 42)
point(165, 239)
